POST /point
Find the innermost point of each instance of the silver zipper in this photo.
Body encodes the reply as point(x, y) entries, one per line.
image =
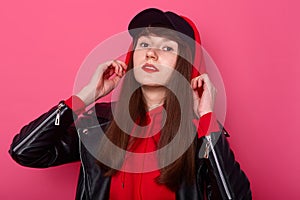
point(83, 168)
point(208, 137)
point(37, 128)
point(79, 143)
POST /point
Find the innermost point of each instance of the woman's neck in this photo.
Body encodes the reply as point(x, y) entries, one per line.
point(154, 96)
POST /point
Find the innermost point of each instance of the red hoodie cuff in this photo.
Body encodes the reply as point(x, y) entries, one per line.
point(206, 124)
point(76, 104)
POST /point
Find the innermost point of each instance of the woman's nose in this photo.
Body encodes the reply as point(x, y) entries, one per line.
point(151, 54)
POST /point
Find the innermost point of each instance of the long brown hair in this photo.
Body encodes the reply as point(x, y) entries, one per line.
point(183, 169)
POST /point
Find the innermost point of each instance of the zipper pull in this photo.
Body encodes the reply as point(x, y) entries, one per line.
point(57, 118)
point(207, 146)
point(208, 137)
point(206, 152)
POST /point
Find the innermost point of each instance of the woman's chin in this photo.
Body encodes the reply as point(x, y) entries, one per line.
point(153, 85)
point(150, 84)
point(151, 81)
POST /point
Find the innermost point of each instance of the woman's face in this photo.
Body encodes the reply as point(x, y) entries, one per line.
point(154, 60)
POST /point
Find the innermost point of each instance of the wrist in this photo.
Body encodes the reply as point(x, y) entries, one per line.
point(202, 113)
point(86, 96)
point(206, 124)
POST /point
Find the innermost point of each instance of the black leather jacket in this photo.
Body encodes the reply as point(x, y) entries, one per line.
point(52, 139)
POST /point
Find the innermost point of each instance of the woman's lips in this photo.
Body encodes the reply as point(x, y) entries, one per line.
point(149, 68)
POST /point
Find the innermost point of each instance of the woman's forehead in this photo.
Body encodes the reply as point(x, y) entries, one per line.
point(160, 32)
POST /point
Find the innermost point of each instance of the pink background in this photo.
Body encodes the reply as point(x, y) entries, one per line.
point(254, 43)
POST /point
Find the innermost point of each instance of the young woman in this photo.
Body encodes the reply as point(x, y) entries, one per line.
point(156, 112)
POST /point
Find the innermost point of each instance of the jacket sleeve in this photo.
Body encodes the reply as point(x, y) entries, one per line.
point(224, 177)
point(49, 140)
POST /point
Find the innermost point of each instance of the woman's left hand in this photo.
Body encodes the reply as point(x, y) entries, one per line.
point(205, 103)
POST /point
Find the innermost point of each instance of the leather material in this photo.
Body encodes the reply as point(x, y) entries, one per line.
point(236, 180)
point(43, 144)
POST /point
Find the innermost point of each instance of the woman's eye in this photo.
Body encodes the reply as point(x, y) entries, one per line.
point(167, 48)
point(144, 44)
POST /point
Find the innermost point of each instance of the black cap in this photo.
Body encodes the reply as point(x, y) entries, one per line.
point(153, 17)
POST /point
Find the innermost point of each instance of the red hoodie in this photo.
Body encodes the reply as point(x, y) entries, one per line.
point(137, 186)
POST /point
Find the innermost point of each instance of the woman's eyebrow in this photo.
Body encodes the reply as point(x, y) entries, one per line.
point(164, 39)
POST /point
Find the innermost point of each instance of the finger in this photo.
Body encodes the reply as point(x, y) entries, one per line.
point(205, 78)
point(107, 65)
point(119, 70)
point(194, 82)
point(206, 81)
point(122, 68)
point(115, 68)
point(196, 96)
point(123, 64)
point(199, 82)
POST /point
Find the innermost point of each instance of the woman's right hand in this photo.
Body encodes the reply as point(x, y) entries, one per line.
point(104, 80)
